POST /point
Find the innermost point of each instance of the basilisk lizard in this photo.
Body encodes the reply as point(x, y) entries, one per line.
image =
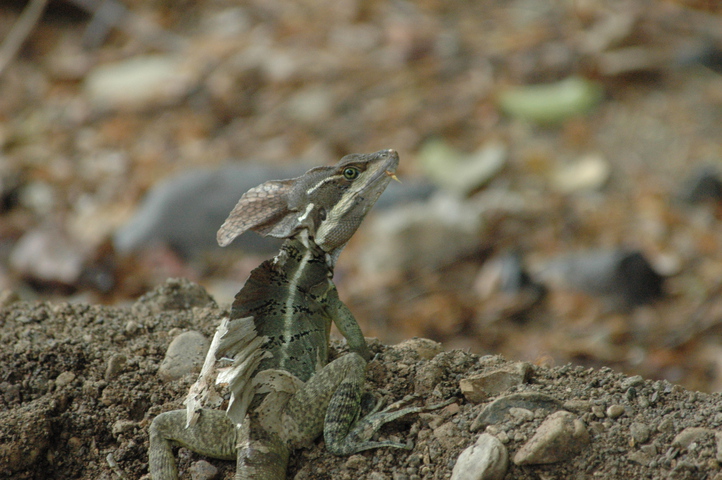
point(283, 393)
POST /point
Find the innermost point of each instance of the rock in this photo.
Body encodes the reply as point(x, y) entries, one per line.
point(184, 211)
point(586, 174)
point(691, 435)
point(48, 255)
point(65, 378)
point(633, 381)
point(560, 437)
point(704, 185)
point(522, 414)
point(122, 426)
point(640, 457)
point(355, 462)
point(175, 294)
point(505, 273)
point(185, 354)
point(8, 297)
point(420, 348)
point(496, 410)
point(202, 470)
point(140, 83)
point(551, 103)
point(507, 290)
point(598, 411)
point(487, 459)
point(640, 432)
point(116, 363)
point(477, 388)
point(623, 278)
point(421, 236)
point(615, 411)
point(666, 425)
point(458, 172)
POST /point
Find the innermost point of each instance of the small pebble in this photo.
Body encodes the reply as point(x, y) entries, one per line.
point(615, 411)
point(64, 379)
point(131, 328)
point(116, 363)
point(202, 470)
point(634, 381)
point(122, 426)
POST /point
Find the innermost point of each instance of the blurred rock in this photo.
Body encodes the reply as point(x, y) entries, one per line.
point(459, 172)
point(421, 235)
point(186, 210)
point(552, 103)
point(623, 278)
point(590, 172)
point(703, 185)
point(506, 290)
point(505, 273)
point(11, 181)
point(142, 82)
point(8, 297)
point(48, 255)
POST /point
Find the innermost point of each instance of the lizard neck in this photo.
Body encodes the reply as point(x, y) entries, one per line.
point(303, 262)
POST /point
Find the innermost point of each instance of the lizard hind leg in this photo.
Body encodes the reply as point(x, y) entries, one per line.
point(213, 435)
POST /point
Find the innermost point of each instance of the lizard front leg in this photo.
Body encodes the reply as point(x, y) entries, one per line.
point(330, 403)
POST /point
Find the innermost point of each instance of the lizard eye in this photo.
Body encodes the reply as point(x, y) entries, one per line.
point(351, 173)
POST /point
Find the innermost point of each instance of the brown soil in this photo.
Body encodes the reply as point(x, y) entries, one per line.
point(69, 403)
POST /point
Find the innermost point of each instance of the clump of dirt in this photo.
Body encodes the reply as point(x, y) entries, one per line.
point(79, 388)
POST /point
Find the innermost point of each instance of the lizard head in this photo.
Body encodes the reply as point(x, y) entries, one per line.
point(328, 203)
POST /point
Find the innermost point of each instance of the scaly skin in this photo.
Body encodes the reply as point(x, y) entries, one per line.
point(292, 394)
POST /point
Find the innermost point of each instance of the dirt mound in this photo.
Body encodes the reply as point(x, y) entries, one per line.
point(79, 388)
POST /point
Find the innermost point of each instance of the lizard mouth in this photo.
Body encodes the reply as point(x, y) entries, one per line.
point(392, 175)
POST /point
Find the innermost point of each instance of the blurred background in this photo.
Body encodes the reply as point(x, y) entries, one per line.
point(560, 162)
